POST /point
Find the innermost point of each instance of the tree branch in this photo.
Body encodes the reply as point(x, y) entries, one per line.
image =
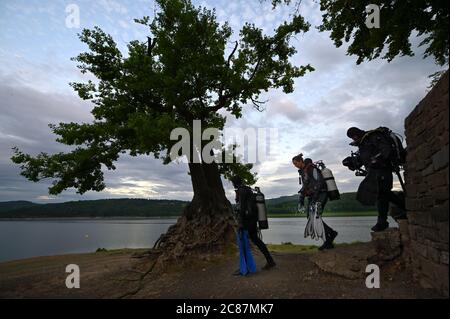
point(255, 70)
point(258, 104)
point(232, 53)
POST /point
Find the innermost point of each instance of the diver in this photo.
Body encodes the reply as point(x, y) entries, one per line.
point(314, 188)
point(378, 154)
point(248, 217)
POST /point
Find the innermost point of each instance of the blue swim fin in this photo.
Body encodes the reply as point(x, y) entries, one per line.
point(242, 260)
point(251, 265)
point(246, 261)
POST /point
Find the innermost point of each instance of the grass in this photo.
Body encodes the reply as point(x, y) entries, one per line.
point(119, 251)
point(326, 214)
point(291, 248)
point(296, 249)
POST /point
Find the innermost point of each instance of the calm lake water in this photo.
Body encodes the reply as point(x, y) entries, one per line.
point(23, 239)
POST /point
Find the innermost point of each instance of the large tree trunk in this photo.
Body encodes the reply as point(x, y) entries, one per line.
point(207, 224)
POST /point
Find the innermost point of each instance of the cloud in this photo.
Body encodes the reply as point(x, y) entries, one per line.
point(113, 6)
point(24, 117)
point(285, 107)
point(124, 24)
point(313, 119)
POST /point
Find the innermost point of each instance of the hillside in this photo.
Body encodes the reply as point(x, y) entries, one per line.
point(8, 206)
point(95, 208)
point(151, 207)
point(347, 203)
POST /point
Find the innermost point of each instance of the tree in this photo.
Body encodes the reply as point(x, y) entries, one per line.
point(182, 75)
point(399, 19)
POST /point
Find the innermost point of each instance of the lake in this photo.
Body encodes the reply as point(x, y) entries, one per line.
point(31, 238)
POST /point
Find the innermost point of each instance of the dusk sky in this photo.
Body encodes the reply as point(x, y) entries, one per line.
point(35, 51)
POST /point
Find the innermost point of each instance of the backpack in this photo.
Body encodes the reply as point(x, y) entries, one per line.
point(252, 210)
point(398, 156)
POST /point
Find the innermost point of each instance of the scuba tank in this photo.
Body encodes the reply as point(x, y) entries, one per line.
point(333, 192)
point(262, 211)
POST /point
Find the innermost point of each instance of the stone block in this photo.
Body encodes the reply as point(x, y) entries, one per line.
point(440, 159)
point(412, 232)
point(412, 189)
point(438, 273)
point(444, 257)
point(419, 249)
point(403, 226)
point(427, 202)
point(440, 213)
point(387, 244)
point(419, 218)
point(431, 234)
point(443, 232)
point(436, 244)
point(438, 179)
point(413, 204)
point(423, 188)
point(427, 171)
point(433, 254)
point(440, 193)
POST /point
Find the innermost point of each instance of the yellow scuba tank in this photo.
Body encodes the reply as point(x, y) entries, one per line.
point(262, 210)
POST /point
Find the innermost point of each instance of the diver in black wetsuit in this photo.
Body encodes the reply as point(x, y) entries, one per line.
point(248, 217)
point(315, 190)
point(375, 153)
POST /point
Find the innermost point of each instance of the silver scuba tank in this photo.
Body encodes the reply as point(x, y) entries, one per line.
point(333, 192)
point(262, 211)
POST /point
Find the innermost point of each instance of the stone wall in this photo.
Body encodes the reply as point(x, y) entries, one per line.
point(427, 178)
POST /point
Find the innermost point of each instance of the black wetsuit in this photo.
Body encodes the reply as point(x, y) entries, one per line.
point(375, 152)
point(314, 188)
point(248, 219)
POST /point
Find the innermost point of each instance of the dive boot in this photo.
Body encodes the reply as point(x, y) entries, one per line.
point(333, 235)
point(269, 266)
point(327, 245)
point(238, 273)
point(380, 226)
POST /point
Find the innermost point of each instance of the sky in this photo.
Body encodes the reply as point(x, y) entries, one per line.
point(36, 45)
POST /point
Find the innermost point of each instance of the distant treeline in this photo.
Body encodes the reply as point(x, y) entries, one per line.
point(150, 207)
point(93, 208)
point(347, 203)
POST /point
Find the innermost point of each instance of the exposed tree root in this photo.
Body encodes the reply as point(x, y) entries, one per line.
point(196, 233)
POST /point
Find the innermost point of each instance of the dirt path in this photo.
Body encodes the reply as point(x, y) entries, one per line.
point(113, 274)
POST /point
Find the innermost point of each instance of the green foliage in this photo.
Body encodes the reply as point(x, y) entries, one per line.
point(399, 19)
point(235, 167)
point(346, 21)
point(140, 97)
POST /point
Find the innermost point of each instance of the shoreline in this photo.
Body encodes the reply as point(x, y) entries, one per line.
point(284, 247)
point(287, 215)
